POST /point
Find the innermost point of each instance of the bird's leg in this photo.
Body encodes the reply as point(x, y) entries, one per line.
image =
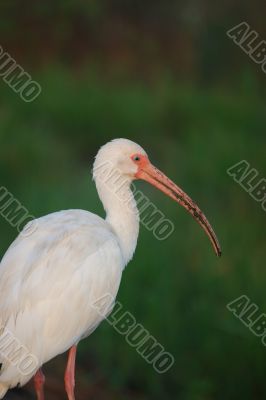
point(70, 373)
point(39, 380)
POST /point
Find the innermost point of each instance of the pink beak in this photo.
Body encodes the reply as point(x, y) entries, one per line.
point(151, 174)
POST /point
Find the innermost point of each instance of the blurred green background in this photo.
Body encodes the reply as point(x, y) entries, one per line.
point(163, 74)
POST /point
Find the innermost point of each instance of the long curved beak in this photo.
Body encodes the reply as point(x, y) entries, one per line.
point(155, 177)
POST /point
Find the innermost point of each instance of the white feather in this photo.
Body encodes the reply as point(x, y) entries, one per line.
point(50, 280)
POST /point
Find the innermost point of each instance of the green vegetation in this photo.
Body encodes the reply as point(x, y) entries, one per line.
point(176, 288)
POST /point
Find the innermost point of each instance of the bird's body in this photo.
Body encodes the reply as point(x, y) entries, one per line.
point(51, 279)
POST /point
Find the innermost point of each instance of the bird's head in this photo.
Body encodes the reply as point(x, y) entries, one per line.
point(123, 155)
point(131, 162)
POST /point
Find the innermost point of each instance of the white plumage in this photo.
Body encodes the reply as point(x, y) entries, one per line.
point(50, 280)
point(48, 283)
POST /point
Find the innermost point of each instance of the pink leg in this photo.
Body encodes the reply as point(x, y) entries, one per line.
point(70, 373)
point(39, 380)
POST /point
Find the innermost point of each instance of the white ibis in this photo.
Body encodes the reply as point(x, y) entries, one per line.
point(50, 279)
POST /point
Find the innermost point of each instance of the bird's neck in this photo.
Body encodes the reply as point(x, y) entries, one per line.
point(121, 212)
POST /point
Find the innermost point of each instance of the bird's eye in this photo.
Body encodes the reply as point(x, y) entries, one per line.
point(136, 158)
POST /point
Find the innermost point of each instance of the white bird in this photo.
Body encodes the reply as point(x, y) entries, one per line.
point(50, 279)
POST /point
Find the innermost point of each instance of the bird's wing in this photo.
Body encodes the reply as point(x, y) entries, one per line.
point(49, 277)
